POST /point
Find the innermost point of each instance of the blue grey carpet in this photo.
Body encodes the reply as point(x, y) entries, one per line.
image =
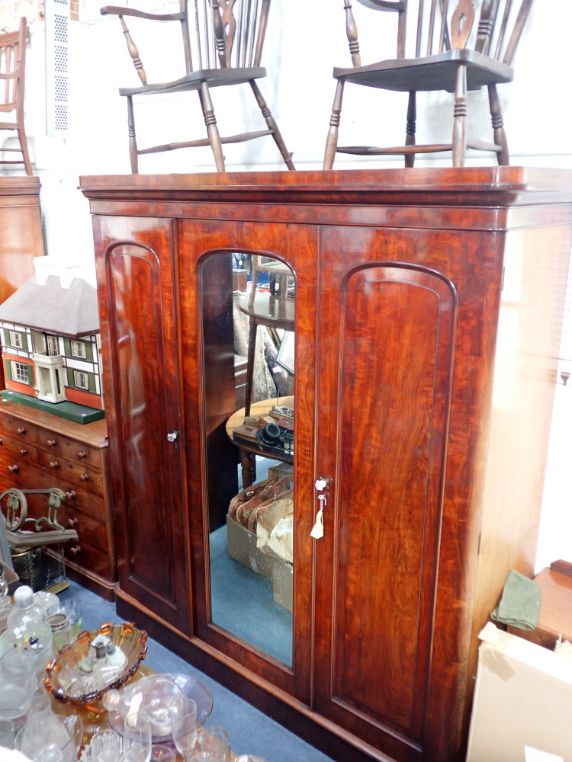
point(242, 603)
point(250, 730)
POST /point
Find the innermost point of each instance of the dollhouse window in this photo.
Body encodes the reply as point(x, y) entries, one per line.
point(52, 345)
point(78, 349)
point(16, 339)
point(20, 372)
point(80, 380)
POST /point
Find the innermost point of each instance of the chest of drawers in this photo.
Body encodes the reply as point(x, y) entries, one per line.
point(39, 450)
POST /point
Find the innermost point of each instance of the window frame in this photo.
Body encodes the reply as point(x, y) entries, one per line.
point(20, 368)
point(18, 335)
point(74, 344)
point(53, 338)
point(78, 377)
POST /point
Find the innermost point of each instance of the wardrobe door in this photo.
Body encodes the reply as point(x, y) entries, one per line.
point(252, 596)
point(137, 297)
point(386, 354)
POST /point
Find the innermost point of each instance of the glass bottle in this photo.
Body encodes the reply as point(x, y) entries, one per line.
point(25, 609)
point(44, 730)
point(27, 629)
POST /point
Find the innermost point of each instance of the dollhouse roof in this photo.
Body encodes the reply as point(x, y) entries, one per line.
point(51, 308)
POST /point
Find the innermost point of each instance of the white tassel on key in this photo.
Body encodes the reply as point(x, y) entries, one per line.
point(318, 529)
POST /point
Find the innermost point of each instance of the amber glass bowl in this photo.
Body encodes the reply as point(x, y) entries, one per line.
point(60, 671)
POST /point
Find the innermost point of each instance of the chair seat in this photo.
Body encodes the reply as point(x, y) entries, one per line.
point(431, 73)
point(193, 81)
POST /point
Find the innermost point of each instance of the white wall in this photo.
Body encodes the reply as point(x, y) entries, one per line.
point(305, 39)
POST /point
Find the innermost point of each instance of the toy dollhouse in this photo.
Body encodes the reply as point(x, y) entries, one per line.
point(51, 348)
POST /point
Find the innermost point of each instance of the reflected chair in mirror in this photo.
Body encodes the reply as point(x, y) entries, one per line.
point(279, 274)
point(273, 308)
point(222, 43)
point(456, 46)
point(12, 79)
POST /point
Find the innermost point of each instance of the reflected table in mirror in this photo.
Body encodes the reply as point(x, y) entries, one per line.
point(248, 446)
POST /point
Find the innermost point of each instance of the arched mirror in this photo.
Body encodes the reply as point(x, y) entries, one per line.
point(248, 304)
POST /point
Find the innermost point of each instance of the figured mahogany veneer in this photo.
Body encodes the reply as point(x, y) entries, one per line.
point(426, 322)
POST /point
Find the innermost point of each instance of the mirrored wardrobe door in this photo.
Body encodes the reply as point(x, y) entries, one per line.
point(248, 347)
point(248, 315)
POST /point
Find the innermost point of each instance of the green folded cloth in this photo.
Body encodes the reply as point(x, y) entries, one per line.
point(519, 605)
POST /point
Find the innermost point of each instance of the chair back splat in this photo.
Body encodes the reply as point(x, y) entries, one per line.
point(449, 45)
point(222, 44)
point(12, 78)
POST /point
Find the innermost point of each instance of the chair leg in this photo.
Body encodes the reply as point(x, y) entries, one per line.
point(253, 284)
point(332, 140)
point(250, 365)
point(24, 148)
point(410, 128)
point(459, 117)
point(272, 125)
point(133, 154)
point(212, 129)
point(498, 125)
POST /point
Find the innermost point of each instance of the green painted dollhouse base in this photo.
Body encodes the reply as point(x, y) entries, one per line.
point(69, 410)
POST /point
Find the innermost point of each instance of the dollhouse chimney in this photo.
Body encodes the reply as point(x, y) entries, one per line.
point(68, 274)
point(44, 267)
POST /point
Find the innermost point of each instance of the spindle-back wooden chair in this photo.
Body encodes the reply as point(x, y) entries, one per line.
point(448, 52)
point(12, 79)
point(222, 45)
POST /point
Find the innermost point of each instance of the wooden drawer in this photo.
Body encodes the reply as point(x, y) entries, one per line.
point(30, 476)
point(68, 448)
point(89, 529)
point(18, 449)
point(86, 502)
point(73, 472)
point(86, 555)
point(18, 471)
point(17, 428)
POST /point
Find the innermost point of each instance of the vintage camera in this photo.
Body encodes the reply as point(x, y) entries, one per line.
point(276, 440)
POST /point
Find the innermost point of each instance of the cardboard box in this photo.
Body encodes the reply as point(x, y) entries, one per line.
point(523, 694)
point(241, 544)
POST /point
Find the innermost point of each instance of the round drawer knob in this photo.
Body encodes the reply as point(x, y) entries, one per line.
point(14, 469)
point(75, 549)
point(51, 442)
point(23, 451)
point(73, 522)
point(82, 454)
point(84, 477)
point(70, 494)
point(21, 430)
point(54, 464)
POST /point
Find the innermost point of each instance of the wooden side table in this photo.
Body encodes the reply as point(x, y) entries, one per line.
point(247, 450)
point(555, 619)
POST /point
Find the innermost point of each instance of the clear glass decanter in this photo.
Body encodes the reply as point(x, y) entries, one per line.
point(44, 729)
